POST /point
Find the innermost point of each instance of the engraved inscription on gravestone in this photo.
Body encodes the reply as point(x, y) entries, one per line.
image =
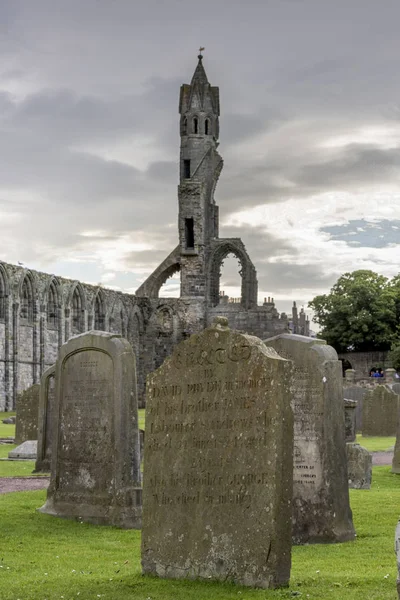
point(218, 462)
point(95, 463)
point(321, 507)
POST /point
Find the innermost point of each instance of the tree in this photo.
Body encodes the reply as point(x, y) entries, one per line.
point(361, 312)
point(395, 357)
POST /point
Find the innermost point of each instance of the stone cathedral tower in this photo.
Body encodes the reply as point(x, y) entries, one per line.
point(200, 166)
point(39, 311)
point(201, 252)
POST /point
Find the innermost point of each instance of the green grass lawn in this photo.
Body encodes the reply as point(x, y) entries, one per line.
point(376, 444)
point(6, 430)
point(141, 417)
point(43, 557)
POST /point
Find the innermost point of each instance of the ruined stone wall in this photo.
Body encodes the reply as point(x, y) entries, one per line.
point(362, 362)
point(41, 312)
point(33, 329)
point(259, 321)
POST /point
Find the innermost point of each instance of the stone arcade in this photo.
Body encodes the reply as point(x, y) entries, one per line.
point(39, 312)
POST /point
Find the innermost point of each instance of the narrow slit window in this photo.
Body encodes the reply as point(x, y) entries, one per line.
point(189, 233)
point(206, 126)
point(186, 168)
point(195, 125)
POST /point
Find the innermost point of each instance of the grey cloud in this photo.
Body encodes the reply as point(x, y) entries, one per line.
point(284, 277)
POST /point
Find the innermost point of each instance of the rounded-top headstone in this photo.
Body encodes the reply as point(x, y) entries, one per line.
point(350, 376)
point(390, 375)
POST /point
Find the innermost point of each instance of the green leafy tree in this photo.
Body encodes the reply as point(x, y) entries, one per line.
point(361, 312)
point(395, 357)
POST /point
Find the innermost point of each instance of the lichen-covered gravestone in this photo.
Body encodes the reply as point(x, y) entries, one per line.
point(359, 466)
point(95, 461)
point(45, 421)
point(27, 407)
point(380, 412)
point(350, 419)
point(218, 462)
point(357, 393)
point(397, 552)
point(321, 507)
point(396, 454)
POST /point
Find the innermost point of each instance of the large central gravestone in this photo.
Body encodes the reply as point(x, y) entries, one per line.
point(27, 406)
point(321, 507)
point(45, 419)
point(380, 411)
point(218, 462)
point(95, 460)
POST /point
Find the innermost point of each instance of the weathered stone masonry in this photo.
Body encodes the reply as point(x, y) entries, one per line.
point(39, 312)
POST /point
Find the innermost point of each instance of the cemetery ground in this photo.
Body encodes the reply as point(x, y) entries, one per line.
point(42, 557)
point(45, 557)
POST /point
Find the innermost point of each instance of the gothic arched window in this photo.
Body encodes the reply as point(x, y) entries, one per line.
point(77, 311)
point(26, 308)
point(184, 126)
point(52, 305)
point(195, 125)
point(99, 313)
point(2, 296)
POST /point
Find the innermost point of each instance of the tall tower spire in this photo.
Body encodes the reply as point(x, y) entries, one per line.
point(200, 166)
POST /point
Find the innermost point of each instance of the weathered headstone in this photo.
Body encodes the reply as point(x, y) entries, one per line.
point(359, 466)
point(349, 376)
point(397, 552)
point(390, 375)
point(27, 406)
point(396, 388)
point(380, 412)
point(45, 419)
point(356, 393)
point(95, 462)
point(396, 453)
point(321, 507)
point(218, 462)
point(350, 419)
point(25, 451)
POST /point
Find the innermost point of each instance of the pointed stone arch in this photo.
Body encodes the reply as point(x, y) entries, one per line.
point(4, 292)
point(27, 296)
point(53, 300)
point(171, 265)
point(219, 251)
point(77, 307)
point(99, 311)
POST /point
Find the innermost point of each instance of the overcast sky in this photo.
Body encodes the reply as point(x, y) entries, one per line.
point(310, 136)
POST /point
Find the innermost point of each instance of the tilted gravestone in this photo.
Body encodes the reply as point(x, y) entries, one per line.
point(397, 552)
point(357, 393)
point(396, 453)
point(380, 412)
point(218, 462)
point(27, 407)
point(359, 466)
point(45, 419)
point(95, 460)
point(350, 419)
point(321, 507)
